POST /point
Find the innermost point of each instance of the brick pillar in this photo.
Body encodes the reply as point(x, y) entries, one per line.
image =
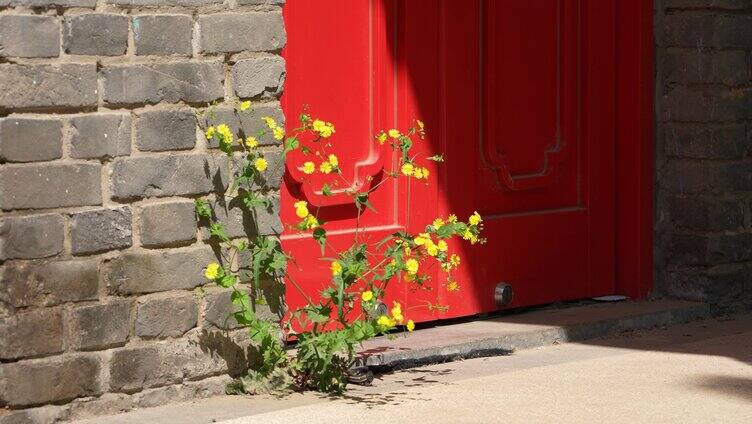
point(704, 141)
point(102, 300)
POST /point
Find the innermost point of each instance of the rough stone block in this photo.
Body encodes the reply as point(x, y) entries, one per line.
point(712, 249)
point(50, 186)
point(263, 76)
point(132, 273)
point(239, 222)
point(25, 139)
point(691, 177)
point(43, 86)
point(30, 237)
point(168, 175)
point(29, 36)
point(192, 82)
point(218, 310)
point(101, 34)
point(171, 316)
point(33, 333)
point(101, 230)
point(707, 214)
point(101, 326)
point(163, 34)
point(167, 224)
point(156, 3)
point(707, 104)
point(100, 136)
point(719, 284)
point(42, 415)
point(49, 380)
point(248, 123)
point(135, 368)
point(730, 67)
point(108, 403)
point(704, 141)
point(24, 284)
point(262, 2)
point(235, 32)
point(693, 4)
point(49, 3)
point(158, 130)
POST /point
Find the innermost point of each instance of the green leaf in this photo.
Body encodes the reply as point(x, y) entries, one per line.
point(319, 234)
point(203, 209)
point(325, 190)
point(226, 281)
point(218, 230)
point(279, 261)
point(291, 144)
point(361, 199)
point(436, 158)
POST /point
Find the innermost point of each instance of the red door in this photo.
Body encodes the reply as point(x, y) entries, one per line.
point(519, 98)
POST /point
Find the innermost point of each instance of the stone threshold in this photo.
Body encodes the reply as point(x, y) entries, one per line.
point(505, 334)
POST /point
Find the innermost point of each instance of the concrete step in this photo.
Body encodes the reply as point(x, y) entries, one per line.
point(523, 330)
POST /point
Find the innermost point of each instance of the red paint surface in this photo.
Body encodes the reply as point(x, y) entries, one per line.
point(541, 110)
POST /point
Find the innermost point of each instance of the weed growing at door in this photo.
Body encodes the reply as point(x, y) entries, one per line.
point(350, 309)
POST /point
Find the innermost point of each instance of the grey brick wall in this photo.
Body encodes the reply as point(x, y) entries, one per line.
point(703, 146)
point(102, 300)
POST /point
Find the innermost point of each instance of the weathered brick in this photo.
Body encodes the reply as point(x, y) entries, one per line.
point(721, 4)
point(218, 310)
point(708, 30)
point(37, 332)
point(135, 368)
point(100, 135)
point(158, 130)
point(730, 67)
point(707, 104)
point(101, 230)
point(132, 273)
point(41, 415)
point(269, 2)
point(41, 86)
point(188, 390)
point(168, 175)
point(166, 316)
point(108, 403)
point(239, 222)
point(49, 3)
point(29, 36)
point(713, 249)
point(25, 284)
point(100, 34)
point(193, 82)
point(235, 32)
point(167, 224)
point(707, 214)
point(29, 237)
point(690, 176)
point(704, 141)
point(248, 123)
point(49, 380)
point(50, 186)
point(101, 326)
point(24, 139)
point(163, 34)
point(262, 76)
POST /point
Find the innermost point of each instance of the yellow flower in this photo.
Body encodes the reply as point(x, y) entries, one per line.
point(394, 133)
point(336, 268)
point(438, 223)
point(210, 132)
point(453, 286)
point(410, 325)
point(381, 137)
point(452, 218)
point(311, 222)
point(411, 265)
point(475, 219)
point(443, 246)
point(333, 160)
point(251, 142)
point(279, 133)
point(261, 164)
point(454, 260)
point(245, 105)
point(225, 134)
point(425, 173)
point(212, 271)
point(324, 129)
point(407, 169)
point(431, 248)
point(270, 122)
point(309, 168)
point(422, 239)
point(418, 174)
point(408, 251)
point(301, 209)
point(397, 312)
point(366, 296)
point(385, 321)
point(467, 235)
point(325, 167)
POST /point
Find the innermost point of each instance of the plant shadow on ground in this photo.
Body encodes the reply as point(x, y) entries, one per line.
point(238, 356)
point(731, 386)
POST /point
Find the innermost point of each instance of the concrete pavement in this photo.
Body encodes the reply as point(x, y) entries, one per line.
point(694, 373)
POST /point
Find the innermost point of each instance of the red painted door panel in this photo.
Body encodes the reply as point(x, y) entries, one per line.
point(517, 95)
